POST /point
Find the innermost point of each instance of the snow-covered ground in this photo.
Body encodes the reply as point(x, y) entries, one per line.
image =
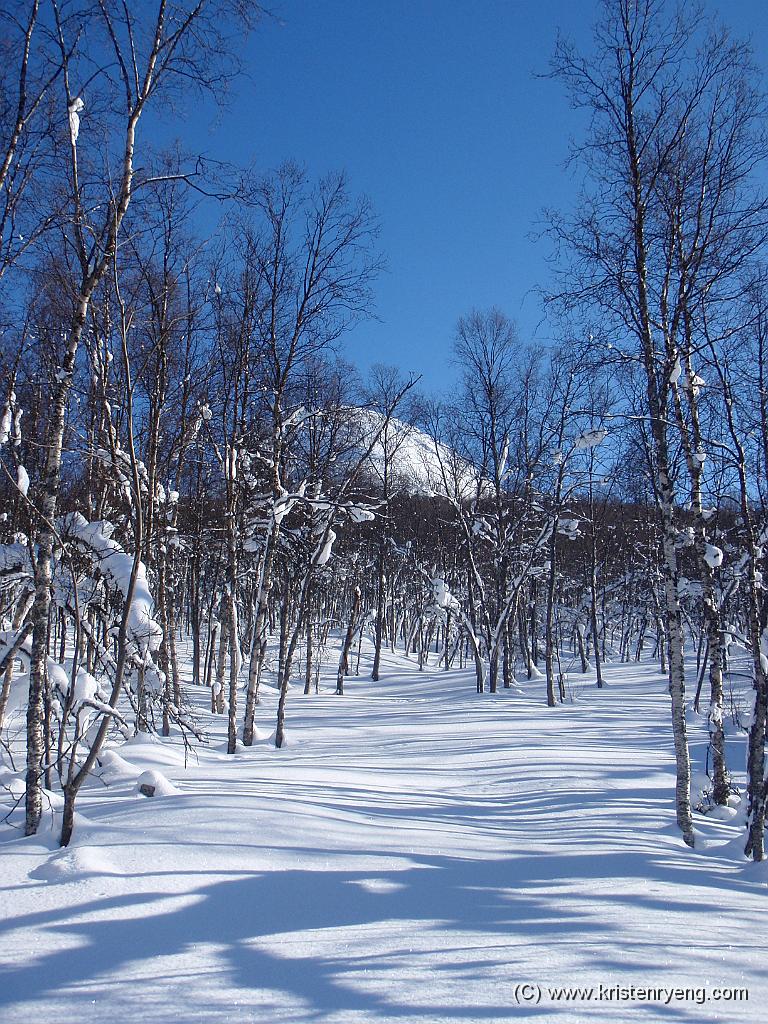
point(416, 853)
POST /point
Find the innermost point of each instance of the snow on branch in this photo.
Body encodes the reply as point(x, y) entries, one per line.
point(590, 439)
point(117, 566)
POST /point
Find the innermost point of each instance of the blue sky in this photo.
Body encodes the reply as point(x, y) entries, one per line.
point(433, 109)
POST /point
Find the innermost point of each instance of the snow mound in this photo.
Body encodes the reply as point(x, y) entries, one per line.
point(115, 768)
point(260, 735)
point(12, 784)
point(71, 864)
point(721, 813)
point(157, 782)
point(149, 750)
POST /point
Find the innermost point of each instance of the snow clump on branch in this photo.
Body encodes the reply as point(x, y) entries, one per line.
point(442, 595)
point(591, 438)
point(713, 556)
point(74, 118)
point(117, 565)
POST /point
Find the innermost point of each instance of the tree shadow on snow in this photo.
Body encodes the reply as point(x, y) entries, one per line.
point(243, 918)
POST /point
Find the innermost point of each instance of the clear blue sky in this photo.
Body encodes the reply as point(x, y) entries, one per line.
point(433, 109)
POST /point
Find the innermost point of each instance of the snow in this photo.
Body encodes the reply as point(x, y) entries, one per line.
point(157, 782)
point(694, 384)
point(113, 767)
point(417, 854)
point(417, 461)
point(442, 595)
point(5, 425)
point(118, 565)
point(22, 480)
point(57, 676)
point(568, 528)
point(723, 813)
point(283, 505)
point(74, 864)
point(88, 692)
point(713, 556)
point(677, 371)
point(360, 514)
point(590, 439)
point(74, 118)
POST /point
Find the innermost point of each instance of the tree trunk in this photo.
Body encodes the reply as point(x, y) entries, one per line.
point(378, 628)
point(346, 646)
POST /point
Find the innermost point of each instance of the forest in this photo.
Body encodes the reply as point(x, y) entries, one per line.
point(200, 493)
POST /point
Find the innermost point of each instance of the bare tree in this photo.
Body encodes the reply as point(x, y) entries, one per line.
point(145, 50)
point(29, 69)
point(667, 228)
point(385, 383)
point(313, 256)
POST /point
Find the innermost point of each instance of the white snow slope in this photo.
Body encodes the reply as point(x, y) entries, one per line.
point(419, 465)
point(417, 853)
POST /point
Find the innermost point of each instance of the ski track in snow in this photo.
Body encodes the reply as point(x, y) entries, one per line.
point(414, 854)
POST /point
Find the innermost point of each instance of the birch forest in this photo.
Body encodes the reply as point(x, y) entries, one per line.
point(201, 495)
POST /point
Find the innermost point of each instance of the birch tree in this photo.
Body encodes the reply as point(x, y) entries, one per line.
point(313, 256)
point(659, 87)
point(142, 51)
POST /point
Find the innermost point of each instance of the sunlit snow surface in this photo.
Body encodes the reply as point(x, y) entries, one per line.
point(418, 464)
point(414, 854)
